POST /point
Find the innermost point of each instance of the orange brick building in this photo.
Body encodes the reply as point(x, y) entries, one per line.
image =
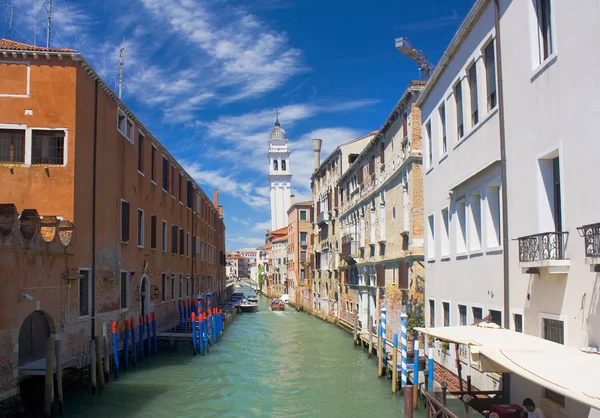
point(145, 234)
point(300, 250)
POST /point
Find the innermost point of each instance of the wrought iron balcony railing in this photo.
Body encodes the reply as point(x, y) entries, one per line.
point(545, 246)
point(591, 236)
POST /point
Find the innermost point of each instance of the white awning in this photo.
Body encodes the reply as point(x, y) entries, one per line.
point(562, 369)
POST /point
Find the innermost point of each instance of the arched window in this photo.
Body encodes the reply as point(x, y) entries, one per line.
point(283, 165)
point(275, 165)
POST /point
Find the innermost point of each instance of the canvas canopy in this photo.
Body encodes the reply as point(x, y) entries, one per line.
point(562, 369)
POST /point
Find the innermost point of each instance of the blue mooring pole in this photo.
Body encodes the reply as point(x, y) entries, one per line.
point(193, 333)
point(141, 327)
point(148, 338)
point(126, 345)
point(133, 347)
point(430, 367)
point(416, 367)
point(154, 336)
point(115, 348)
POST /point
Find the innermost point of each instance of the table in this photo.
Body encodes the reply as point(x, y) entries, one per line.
point(507, 411)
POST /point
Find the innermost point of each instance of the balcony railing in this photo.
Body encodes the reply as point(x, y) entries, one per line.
point(543, 247)
point(322, 217)
point(591, 236)
point(349, 245)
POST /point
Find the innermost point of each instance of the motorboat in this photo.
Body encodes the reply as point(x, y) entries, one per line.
point(277, 305)
point(252, 298)
point(248, 306)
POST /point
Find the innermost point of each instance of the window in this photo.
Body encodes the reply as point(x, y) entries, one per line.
point(472, 74)
point(429, 145)
point(165, 174)
point(122, 122)
point(382, 153)
point(446, 308)
point(12, 146)
point(431, 313)
point(189, 244)
point(274, 165)
point(190, 194)
point(84, 293)
point(173, 181)
point(193, 284)
point(180, 187)
point(124, 288)
point(164, 236)
point(173, 287)
point(164, 287)
point(140, 228)
point(181, 241)
point(47, 147)
point(302, 275)
point(554, 330)
point(303, 215)
point(474, 230)
point(490, 75)
point(496, 317)
point(153, 164)
point(174, 230)
point(124, 221)
point(153, 232)
point(445, 233)
point(140, 153)
point(518, 322)
point(477, 314)
point(303, 236)
point(430, 237)
point(459, 110)
point(462, 315)
point(180, 285)
point(557, 194)
point(283, 165)
point(543, 12)
point(442, 114)
point(493, 236)
point(460, 224)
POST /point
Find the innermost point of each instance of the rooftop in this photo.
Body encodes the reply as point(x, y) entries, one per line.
point(19, 46)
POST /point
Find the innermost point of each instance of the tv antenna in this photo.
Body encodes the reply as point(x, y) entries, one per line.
point(10, 8)
point(121, 67)
point(48, 5)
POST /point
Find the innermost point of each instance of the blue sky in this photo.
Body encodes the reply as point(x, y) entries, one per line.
point(206, 76)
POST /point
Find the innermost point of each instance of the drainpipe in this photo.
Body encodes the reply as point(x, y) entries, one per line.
point(505, 240)
point(94, 210)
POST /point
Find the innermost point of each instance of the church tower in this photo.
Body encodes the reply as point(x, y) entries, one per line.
point(279, 176)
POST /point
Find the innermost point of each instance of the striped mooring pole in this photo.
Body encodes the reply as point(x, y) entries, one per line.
point(199, 321)
point(403, 318)
point(383, 340)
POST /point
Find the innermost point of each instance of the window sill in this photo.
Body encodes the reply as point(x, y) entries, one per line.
point(431, 260)
point(476, 127)
point(462, 255)
point(173, 197)
point(476, 253)
point(181, 203)
point(427, 171)
point(124, 242)
point(45, 165)
point(443, 157)
point(496, 249)
point(445, 257)
point(140, 247)
point(153, 249)
point(153, 182)
point(165, 191)
point(141, 173)
point(547, 63)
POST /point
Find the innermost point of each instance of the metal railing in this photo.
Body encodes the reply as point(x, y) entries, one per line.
point(544, 246)
point(591, 236)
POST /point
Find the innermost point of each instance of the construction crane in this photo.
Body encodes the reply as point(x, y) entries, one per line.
point(406, 47)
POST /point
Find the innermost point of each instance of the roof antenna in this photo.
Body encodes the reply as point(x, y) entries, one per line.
point(10, 17)
point(121, 66)
point(49, 23)
point(277, 113)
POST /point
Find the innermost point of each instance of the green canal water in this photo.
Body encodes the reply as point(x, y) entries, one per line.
point(273, 364)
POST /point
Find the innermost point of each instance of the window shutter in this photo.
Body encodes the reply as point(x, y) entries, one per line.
point(125, 221)
point(360, 175)
point(380, 270)
point(336, 198)
point(329, 200)
point(372, 164)
point(318, 206)
point(174, 239)
point(382, 157)
point(404, 124)
point(490, 66)
point(153, 231)
point(403, 275)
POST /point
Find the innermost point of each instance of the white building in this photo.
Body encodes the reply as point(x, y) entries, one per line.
point(280, 176)
point(548, 50)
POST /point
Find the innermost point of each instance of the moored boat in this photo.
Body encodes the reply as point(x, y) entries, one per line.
point(248, 306)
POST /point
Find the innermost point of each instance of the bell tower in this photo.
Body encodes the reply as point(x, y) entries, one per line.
point(280, 176)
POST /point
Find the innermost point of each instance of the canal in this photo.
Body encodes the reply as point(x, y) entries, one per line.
point(276, 364)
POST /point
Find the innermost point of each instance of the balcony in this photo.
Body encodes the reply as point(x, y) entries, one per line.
point(349, 246)
point(323, 218)
point(544, 251)
point(591, 237)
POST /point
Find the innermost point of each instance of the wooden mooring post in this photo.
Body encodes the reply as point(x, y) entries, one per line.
point(99, 370)
point(59, 372)
point(408, 401)
point(379, 353)
point(356, 329)
point(93, 364)
point(49, 381)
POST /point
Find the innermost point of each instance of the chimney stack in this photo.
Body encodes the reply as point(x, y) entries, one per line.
point(216, 198)
point(316, 143)
point(292, 200)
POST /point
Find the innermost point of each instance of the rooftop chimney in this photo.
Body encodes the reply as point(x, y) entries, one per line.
point(317, 151)
point(216, 198)
point(292, 200)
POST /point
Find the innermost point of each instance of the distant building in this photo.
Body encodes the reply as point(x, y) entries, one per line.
point(300, 253)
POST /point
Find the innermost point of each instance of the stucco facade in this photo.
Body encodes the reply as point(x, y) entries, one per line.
point(300, 252)
point(145, 229)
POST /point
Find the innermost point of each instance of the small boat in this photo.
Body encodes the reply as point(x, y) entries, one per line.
point(277, 305)
point(247, 306)
point(252, 298)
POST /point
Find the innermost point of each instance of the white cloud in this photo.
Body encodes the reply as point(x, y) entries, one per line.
point(248, 240)
point(262, 226)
